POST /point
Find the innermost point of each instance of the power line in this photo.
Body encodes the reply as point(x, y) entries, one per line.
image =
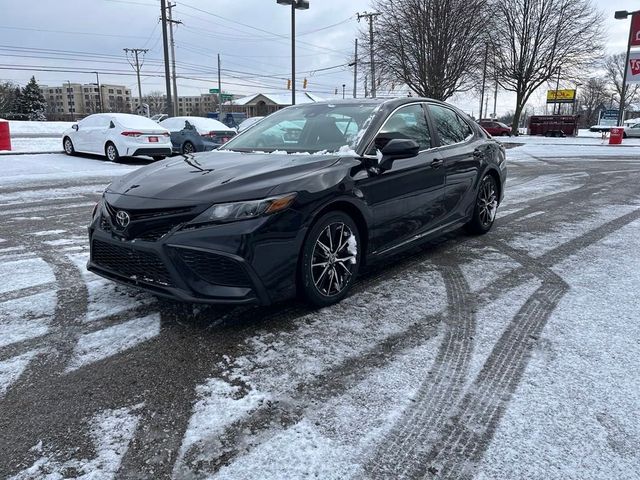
point(137, 65)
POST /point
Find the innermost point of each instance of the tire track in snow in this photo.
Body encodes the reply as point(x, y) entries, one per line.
point(464, 441)
point(402, 452)
point(467, 436)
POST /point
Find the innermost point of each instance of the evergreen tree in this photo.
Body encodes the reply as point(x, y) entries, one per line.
point(17, 101)
point(33, 101)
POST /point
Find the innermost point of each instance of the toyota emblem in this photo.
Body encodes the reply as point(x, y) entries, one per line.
point(122, 218)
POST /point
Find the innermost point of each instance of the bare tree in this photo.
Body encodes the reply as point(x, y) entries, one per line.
point(535, 39)
point(592, 97)
point(156, 101)
point(432, 46)
point(614, 72)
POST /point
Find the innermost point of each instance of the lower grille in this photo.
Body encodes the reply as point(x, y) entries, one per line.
point(133, 264)
point(215, 269)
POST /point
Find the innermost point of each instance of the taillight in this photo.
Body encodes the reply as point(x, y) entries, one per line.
point(166, 134)
point(209, 135)
point(131, 134)
point(225, 139)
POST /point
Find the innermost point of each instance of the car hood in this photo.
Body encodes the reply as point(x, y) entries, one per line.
point(217, 176)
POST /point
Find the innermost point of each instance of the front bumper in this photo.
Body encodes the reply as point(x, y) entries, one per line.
point(243, 262)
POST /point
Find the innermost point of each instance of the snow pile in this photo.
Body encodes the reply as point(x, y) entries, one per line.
point(33, 129)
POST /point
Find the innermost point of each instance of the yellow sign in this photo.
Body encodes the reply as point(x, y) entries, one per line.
point(561, 96)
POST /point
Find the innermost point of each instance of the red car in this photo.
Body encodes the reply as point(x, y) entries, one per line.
point(496, 129)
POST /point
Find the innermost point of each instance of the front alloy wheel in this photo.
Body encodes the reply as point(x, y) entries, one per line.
point(486, 207)
point(331, 258)
point(68, 146)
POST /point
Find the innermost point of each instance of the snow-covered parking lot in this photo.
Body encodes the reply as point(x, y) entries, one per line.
point(510, 356)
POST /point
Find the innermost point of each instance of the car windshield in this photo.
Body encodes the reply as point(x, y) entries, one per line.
point(309, 128)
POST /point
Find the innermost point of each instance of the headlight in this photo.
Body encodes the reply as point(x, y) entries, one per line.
point(229, 212)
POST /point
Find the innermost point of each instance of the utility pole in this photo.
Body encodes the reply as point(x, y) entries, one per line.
point(355, 72)
point(556, 97)
point(219, 92)
point(495, 98)
point(165, 47)
point(172, 43)
point(371, 17)
point(99, 105)
point(136, 64)
point(484, 79)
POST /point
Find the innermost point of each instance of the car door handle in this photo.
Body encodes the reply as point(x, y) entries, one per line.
point(437, 163)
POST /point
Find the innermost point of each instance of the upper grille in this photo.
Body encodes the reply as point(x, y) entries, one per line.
point(148, 225)
point(134, 264)
point(215, 269)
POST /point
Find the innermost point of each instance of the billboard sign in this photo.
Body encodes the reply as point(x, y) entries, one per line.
point(633, 68)
point(561, 96)
point(609, 118)
point(635, 30)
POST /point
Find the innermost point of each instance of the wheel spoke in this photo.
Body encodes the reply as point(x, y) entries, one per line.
point(326, 269)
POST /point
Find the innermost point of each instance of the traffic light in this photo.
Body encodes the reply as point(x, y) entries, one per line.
point(304, 84)
point(289, 84)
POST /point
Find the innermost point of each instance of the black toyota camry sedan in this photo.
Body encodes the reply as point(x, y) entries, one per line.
point(340, 185)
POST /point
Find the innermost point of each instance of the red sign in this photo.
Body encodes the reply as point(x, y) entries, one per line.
point(635, 30)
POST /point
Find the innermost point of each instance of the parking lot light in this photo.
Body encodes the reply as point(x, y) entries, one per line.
point(295, 5)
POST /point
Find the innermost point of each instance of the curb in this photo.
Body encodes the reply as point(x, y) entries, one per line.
point(30, 153)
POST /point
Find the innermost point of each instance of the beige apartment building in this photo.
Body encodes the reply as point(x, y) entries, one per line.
point(195, 106)
point(73, 100)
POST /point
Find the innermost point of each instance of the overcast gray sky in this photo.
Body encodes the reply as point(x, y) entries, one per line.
point(252, 37)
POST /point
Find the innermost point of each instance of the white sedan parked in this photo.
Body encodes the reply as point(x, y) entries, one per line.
point(632, 130)
point(116, 135)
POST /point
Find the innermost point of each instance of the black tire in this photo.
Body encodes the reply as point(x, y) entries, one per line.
point(328, 282)
point(67, 146)
point(157, 158)
point(188, 148)
point(111, 152)
point(486, 206)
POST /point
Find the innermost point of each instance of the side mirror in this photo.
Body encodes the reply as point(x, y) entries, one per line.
point(75, 126)
point(396, 149)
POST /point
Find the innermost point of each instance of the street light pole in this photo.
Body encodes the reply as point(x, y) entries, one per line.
point(295, 5)
point(622, 15)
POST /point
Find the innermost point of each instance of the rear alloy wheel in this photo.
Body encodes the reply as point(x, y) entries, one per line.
point(67, 144)
point(484, 213)
point(188, 148)
point(111, 152)
point(330, 259)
